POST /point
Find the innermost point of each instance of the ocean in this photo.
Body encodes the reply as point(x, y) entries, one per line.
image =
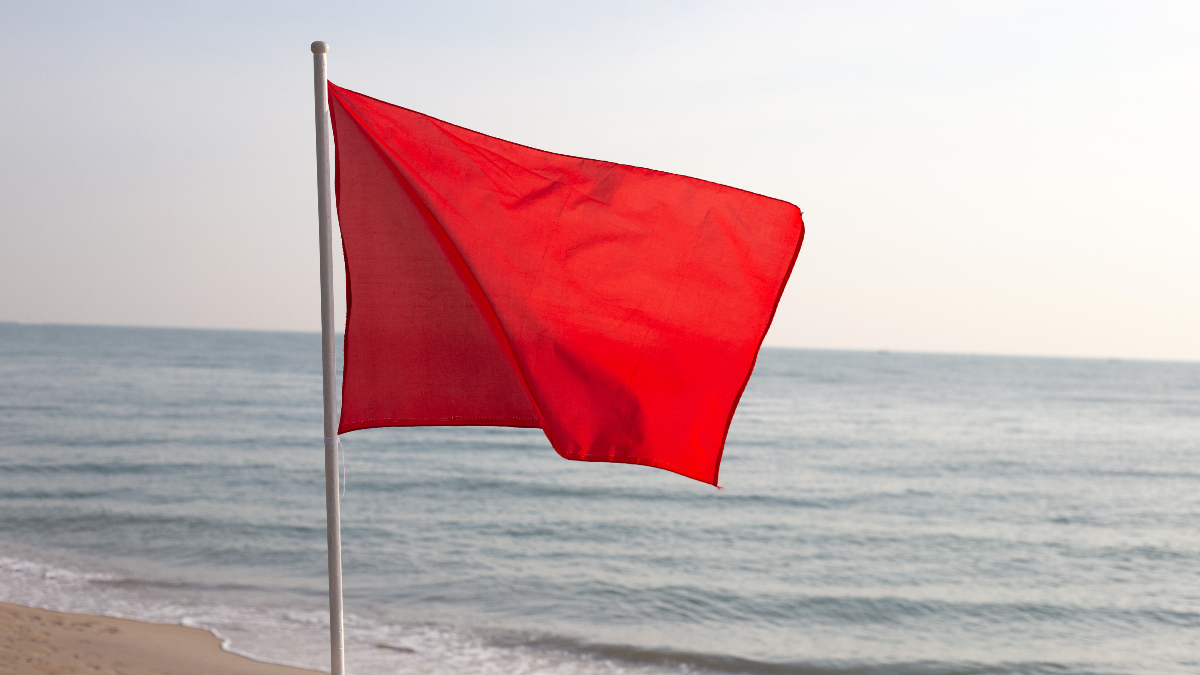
point(882, 513)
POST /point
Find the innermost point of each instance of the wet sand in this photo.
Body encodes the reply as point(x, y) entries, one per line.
point(35, 641)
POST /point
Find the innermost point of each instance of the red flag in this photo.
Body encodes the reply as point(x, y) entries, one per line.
point(619, 309)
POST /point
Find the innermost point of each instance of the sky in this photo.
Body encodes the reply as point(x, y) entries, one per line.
point(976, 177)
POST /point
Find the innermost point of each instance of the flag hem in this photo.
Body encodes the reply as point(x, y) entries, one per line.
point(758, 350)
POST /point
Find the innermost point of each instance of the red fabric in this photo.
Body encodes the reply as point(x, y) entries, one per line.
point(617, 308)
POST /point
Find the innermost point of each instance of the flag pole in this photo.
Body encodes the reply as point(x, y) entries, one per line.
point(333, 515)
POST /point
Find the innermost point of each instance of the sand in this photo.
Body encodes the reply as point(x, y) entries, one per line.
point(35, 641)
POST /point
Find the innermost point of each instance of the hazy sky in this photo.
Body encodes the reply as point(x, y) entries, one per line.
point(994, 177)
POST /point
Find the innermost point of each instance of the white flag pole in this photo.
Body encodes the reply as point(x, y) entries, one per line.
point(333, 515)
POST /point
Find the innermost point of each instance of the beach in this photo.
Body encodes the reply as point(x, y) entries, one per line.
point(37, 641)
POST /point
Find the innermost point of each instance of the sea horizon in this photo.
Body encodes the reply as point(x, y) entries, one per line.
point(880, 350)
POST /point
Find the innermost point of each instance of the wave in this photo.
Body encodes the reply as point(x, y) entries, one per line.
point(689, 662)
point(299, 636)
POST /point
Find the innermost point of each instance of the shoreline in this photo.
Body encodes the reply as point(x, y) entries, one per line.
point(41, 642)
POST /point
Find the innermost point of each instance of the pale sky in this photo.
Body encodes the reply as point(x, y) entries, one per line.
point(985, 177)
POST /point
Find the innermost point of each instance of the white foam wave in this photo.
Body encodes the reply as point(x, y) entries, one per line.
point(294, 637)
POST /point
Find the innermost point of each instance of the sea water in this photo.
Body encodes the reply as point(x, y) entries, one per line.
point(881, 513)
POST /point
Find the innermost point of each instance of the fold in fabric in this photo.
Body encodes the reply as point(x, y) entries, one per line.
point(618, 309)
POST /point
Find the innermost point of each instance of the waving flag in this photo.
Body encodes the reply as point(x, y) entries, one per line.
point(618, 309)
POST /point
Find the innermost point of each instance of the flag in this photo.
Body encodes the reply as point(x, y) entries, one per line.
point(618, 309)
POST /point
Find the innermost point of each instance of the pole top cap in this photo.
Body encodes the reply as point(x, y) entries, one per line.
point(320, 47)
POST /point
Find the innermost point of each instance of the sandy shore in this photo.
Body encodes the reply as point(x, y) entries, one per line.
point(52, 643)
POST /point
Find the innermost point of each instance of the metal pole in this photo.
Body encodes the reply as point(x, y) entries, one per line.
point(333, 515)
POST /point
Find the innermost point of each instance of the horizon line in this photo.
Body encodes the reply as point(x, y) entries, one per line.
point(864, 350)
